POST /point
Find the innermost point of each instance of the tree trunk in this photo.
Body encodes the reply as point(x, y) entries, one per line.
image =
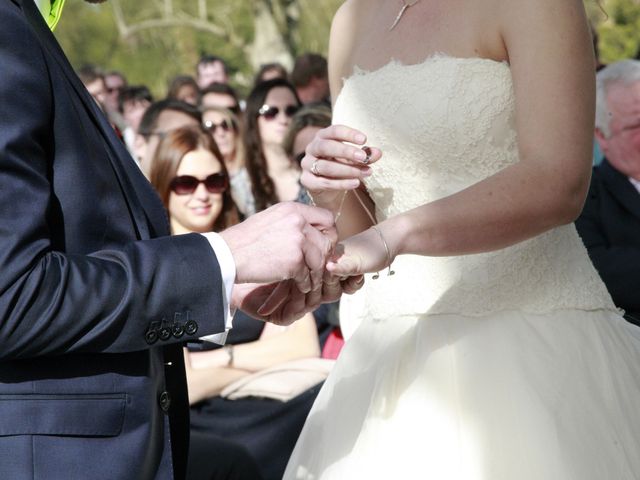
point(272, 40)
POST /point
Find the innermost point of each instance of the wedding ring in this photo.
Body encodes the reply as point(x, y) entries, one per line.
point(314, 168)
point(366, 150)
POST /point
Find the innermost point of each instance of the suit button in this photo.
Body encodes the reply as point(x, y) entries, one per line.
point(178, 330)
point(151, 336)
point(165, 401)
point(191, 327)
point(165, 333)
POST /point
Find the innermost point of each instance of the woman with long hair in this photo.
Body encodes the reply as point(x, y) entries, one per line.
point(274, 176)
point(226, 129)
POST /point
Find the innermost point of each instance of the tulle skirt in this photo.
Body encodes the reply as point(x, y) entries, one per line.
point(511, 396)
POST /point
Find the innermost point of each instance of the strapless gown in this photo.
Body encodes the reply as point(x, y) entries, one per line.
point(508, 365)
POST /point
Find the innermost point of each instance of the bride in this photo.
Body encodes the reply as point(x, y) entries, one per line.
point(494, 352)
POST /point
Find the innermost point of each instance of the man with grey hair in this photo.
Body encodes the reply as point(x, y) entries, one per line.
point(610, 222)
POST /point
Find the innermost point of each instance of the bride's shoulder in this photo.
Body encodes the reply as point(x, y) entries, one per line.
point(348, 12)
point(345, 29)
point(351, 4)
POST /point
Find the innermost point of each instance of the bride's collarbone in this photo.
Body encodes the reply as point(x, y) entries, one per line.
point(426, 29)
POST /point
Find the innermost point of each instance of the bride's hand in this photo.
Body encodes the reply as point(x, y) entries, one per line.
point(363, 253)
point(336, 160)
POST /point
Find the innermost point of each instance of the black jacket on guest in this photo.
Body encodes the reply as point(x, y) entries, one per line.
point(610, 229)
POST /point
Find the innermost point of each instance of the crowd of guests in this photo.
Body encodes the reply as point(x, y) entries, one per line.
point(215, 158)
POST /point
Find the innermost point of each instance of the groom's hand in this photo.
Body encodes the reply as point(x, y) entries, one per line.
point(286, 241)
point(285, 303)
point(280, 303)
point(334, 287)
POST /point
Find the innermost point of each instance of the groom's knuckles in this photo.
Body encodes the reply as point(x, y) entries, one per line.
point(331, 291)
point(314, 298)
point(318, 217)
point(352, 284)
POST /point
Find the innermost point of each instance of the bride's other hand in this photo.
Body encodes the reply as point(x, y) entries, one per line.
point(336, 160)
point(334, 286)
point(366, 252)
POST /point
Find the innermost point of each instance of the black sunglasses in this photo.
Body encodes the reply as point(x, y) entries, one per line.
point(211, 127)
point(187, 184)
point(269, 112)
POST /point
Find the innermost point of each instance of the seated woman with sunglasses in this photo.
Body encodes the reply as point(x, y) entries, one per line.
point(226, 129)
point(274, 176)
point(191, 178)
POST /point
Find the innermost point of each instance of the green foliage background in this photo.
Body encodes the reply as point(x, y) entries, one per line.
point(618, 30)
point(88, 33)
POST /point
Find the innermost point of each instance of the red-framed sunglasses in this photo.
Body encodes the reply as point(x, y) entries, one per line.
point(187, 184)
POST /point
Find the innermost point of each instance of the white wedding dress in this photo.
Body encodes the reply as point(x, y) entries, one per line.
point(508, 365)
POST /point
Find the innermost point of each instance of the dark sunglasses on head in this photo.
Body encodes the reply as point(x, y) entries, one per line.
point(269, 112)
point(187, 184)
point(211, 126)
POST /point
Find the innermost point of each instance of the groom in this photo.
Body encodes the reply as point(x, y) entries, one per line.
point(95, 297)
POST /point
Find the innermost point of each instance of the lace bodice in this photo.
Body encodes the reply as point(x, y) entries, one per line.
point(444, 125)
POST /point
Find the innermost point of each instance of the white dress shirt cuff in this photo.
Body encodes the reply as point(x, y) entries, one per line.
point(228, 272)
point(635, 183)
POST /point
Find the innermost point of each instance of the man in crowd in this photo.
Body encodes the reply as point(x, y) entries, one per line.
point(133, 102)
point(311, 78)
point(114, 82)
point(93, 80)
point(211, 69)
point(160, 118)
point(610, 222)
point(96, 297)
point(220, 95)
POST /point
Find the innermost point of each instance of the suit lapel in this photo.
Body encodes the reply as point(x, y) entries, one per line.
point(621, 188)
point(150, 221)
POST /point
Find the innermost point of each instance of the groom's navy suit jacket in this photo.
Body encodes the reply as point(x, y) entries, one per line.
point(610, 229)
point(94, 296)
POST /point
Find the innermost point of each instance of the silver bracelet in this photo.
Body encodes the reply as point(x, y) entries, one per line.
point(229, 351)
point(386, 248)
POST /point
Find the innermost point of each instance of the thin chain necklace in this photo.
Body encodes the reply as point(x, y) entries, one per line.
point(405, 5)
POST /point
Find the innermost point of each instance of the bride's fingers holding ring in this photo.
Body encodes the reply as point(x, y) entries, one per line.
point(336, 148)
point(329, 168)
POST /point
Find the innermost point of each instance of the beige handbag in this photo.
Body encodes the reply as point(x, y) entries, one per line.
point(281, 382)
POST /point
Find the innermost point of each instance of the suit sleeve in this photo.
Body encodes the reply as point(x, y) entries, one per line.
point(146, 293)
point(618, 266)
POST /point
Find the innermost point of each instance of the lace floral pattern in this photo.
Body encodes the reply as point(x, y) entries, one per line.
point(457, 129)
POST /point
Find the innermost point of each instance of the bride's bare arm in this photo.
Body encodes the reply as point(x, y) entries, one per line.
point(336, 151)
point(551, 58)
